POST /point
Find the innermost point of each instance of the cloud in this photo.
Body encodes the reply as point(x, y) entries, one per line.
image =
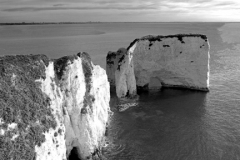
point(198, 5)
point(47, 5)
point(161, 5)
point(189, 10)
point(56, 7)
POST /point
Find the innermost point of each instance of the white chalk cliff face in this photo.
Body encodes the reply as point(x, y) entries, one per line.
point(169, 61)
point(175, 61)
point(112, 64)
point(120, 70)
point(64, 104)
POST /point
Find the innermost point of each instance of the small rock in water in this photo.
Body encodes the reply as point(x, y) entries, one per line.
point(123, 107)
point(125, 103)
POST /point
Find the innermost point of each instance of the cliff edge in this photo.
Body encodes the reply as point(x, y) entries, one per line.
point(166, 61)
point(51, 107)
point(120, 71)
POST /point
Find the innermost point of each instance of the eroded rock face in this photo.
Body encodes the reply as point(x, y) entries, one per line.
point(120, 71)
point(112, 63)
point(174, 61)
point(50, 107)
point(169, 61)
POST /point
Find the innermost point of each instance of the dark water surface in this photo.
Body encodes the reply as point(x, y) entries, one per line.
point(175, 124)
point(171, 124)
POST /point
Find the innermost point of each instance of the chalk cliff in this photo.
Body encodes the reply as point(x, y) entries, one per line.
point(112, 63)
point(48, 108)
point(120, 71)
point(169, 61)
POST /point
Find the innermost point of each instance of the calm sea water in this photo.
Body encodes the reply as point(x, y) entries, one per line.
point(171, 124)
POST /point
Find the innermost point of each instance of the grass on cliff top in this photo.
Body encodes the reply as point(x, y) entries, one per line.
point(22, 102)
point(60, 67)
point(87, 70)
point(180, 37)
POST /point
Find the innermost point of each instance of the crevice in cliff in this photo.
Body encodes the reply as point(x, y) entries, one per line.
point(74, 154)
point(120, 62)
point(87, 71)
point(61, 63)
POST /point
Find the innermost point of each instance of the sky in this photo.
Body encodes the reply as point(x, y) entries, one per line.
point(119, 10)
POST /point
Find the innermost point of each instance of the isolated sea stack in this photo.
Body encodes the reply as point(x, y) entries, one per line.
point(51, 107)
point(120, 73)
point(164, 61)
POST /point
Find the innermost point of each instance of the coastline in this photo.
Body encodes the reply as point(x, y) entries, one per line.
point(50, 23)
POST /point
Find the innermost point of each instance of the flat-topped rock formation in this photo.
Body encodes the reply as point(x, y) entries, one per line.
point(170, 61)
point(51, 107)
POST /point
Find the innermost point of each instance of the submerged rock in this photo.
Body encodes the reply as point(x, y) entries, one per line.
point(124, 107)
point(127, 102)
point(49, 108)
point(168, 61)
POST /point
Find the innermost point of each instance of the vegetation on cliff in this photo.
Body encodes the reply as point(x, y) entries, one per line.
point(24, 104)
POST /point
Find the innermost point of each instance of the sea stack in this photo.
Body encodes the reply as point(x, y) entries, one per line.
point(112, 63)
point(120, 71)
point(170, 61)
point(51, 107)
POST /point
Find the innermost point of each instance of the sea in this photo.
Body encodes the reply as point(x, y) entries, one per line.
point(169, 124)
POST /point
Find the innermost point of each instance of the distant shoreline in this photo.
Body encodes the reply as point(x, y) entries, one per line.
point(48, 23)
point(45, 23)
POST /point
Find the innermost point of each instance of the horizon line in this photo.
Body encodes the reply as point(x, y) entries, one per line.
point(118, 22)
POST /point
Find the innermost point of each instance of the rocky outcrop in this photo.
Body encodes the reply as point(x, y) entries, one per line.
point(169, 61)
point(112, 63)
point(49, 108)
point(120, 71)
point(175, 61)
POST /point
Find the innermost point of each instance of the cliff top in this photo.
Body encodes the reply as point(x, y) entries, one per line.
point(61, 63)
point(160, 37)
point(24, 105)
